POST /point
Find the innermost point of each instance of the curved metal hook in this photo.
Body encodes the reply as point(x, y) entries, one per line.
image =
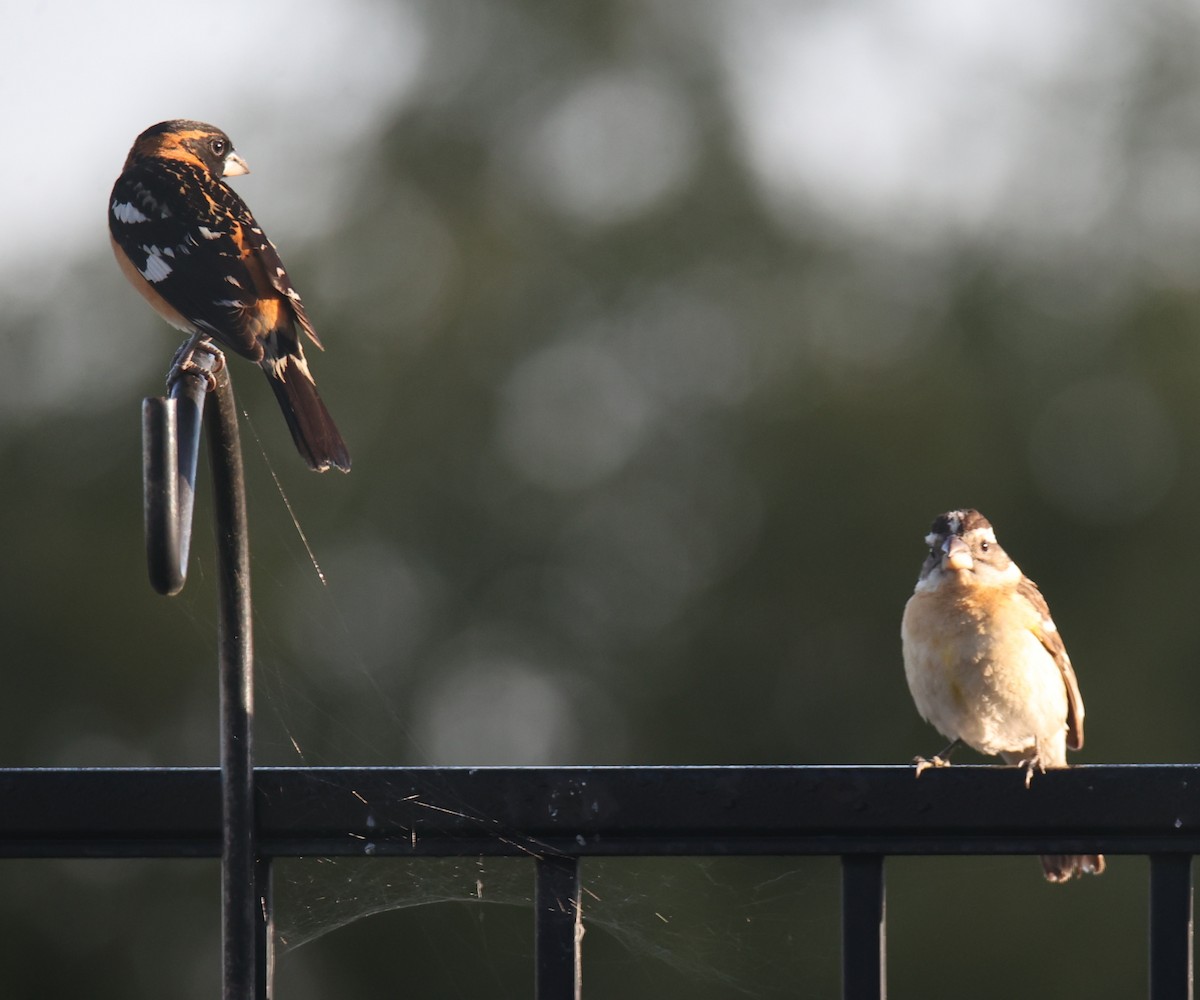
point(170, 455)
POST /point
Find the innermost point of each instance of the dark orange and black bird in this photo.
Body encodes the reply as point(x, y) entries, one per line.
point(190, 246)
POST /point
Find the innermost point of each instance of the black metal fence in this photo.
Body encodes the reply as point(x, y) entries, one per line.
point(249, 816)
point(557, 816)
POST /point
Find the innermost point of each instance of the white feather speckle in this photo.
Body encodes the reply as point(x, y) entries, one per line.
point(208, 234)
point(128, 213)
point(156, 267)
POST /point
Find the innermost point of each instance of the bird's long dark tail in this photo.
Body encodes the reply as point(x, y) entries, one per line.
point(316, 436)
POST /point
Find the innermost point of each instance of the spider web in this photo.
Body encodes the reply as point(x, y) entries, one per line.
point(707, 927)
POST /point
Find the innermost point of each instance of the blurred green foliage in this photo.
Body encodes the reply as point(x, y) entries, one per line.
point(645, 443)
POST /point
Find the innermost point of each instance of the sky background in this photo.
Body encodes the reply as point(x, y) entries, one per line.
point(659, 331)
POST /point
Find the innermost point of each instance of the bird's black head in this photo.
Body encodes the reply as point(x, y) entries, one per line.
point(197, 142)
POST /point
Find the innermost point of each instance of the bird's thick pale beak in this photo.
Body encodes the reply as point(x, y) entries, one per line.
point(956, 554)
point(234, 165)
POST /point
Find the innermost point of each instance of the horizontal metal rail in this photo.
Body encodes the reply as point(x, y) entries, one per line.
point(558, 815)
point(632, 811)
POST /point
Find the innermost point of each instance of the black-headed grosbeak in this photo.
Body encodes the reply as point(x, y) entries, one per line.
point(190, 246)
point(985, 662)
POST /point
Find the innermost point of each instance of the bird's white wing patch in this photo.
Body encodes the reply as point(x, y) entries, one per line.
point(156, 266)
point(128, 213)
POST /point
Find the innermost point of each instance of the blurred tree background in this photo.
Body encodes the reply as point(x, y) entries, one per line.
point(659, 330)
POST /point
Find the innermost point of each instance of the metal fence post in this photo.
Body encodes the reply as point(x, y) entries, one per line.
point(864, 928)
point(1170, 927)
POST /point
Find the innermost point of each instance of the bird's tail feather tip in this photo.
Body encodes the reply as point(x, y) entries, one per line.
point(317, 438)
point(1064, 867)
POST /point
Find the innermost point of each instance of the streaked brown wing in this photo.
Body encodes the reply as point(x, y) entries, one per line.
point(1047, 633)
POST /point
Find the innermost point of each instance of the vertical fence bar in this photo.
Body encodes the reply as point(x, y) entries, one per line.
point(558, 930)
point(1170, 927)
point(240, 909)
point(864, 928)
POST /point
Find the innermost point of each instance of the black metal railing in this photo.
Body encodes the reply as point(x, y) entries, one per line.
point(249, 816)
point(557, 816)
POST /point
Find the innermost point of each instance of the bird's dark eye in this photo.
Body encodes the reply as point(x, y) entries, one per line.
point(218, 146)
point(984, 546)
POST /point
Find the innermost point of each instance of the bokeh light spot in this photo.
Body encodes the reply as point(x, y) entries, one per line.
point(612, 147)
point(571, 415)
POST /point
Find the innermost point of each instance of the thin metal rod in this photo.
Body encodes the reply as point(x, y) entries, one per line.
point(265, 938)
point(558, 930)
point(170, 455)
point(864, 928)
point(241, 911)
point(1171, 927)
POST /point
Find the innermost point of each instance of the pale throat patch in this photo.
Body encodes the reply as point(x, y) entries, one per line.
point(1010, 575)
